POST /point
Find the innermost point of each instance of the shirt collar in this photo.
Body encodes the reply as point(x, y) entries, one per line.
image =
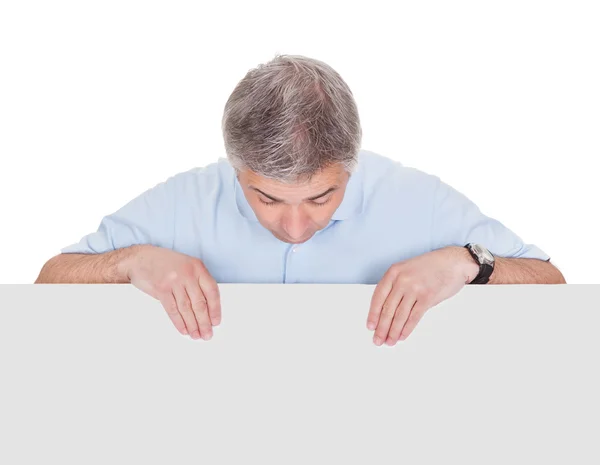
point(242, 203)
point(352, 203)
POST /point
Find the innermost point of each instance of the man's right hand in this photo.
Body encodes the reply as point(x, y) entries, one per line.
point(182, 284)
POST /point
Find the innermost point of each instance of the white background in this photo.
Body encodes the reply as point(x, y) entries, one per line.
point(100, 101)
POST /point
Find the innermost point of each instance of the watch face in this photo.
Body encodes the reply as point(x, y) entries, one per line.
point(483, 253)
point(486, 255)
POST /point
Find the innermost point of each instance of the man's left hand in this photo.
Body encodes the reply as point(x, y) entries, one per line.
point(409, 288)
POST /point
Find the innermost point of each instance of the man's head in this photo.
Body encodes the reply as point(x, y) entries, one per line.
point(292, 133)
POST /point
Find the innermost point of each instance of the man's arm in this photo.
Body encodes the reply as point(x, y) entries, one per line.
point(457, 220)
point(104, 268)
point(512, 270)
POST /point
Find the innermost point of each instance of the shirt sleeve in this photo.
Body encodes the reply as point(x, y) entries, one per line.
point(147, 219)
point(458, 221)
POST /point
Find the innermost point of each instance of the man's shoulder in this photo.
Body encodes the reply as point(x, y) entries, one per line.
point(214, 175)
point(379, 171)
point(212, 171)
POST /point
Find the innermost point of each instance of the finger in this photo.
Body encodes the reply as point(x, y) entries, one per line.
point(185, 309)
point(402, 314)
point(169, 304)
point(415, 316)
point(200, 309)
point(210, 289)
point(387, 314)
point(382, 290)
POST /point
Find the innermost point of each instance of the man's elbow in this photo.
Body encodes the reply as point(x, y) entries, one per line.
point(558, 276)
point(41, 278)
point(561, 278)
point(44, 274)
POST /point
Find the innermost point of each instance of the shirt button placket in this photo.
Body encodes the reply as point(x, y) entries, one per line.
point(289, 275)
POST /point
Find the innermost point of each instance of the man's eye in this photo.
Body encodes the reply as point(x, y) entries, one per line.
point(271, 202)
point(318, 204)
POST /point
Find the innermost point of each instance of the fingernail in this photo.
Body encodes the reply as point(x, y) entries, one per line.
point(371, 325)
point(389, 341)
point(377, 341)
point(185, 331)
point(195, 334)
point(207, 336)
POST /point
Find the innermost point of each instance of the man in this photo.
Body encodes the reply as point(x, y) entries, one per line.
point(297, 201)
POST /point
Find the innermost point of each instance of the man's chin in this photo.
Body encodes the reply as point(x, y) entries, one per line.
point(291, 241)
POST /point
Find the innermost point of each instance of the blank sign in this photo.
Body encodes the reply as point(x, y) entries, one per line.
point(96, 374)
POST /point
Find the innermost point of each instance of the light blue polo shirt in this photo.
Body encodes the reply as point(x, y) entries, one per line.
point(390, 212)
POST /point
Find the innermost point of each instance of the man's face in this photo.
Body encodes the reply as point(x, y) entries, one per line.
point(294, 212)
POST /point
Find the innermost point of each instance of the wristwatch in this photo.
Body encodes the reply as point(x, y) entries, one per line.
point(485, 260)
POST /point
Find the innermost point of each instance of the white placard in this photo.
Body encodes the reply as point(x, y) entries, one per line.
point(97, 374)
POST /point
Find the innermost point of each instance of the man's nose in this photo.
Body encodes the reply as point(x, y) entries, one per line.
point(295, 223)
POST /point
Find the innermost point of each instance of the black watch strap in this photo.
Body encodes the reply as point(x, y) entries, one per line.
point(485, 271)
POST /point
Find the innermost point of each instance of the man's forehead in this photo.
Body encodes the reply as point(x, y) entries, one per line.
point(319, 181)
point(324, 175)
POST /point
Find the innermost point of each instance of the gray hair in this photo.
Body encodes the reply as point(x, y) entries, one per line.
point(289, 118)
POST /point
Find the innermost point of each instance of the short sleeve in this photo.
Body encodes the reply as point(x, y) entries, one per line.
point(147, 219)
point(458, 221)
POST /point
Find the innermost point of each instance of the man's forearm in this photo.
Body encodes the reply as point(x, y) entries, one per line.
point(514, 270)
point(109, 268)
point(525, 271)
